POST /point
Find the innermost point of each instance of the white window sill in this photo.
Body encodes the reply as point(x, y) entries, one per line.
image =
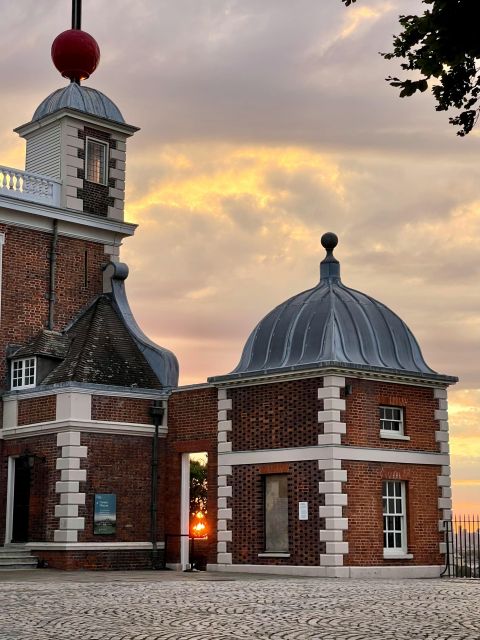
point(397, 556)
point(391, 435)
point(273, 555)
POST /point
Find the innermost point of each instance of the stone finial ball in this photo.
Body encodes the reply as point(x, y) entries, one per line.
point(75, 54)
point(329, 241)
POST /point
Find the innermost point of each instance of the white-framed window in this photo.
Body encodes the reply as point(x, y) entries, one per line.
point(275, 499)
point(391, 421)
point(23, 373)
point(394, 518)
point(96, 156)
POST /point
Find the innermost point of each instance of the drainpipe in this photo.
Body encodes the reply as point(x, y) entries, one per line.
point(53, 268)
point(156, 411)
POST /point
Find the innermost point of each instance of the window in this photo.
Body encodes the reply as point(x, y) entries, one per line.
point(23, 373)
point(276, 513)
point(96, 161)
point(391, 421)
point(394, 518)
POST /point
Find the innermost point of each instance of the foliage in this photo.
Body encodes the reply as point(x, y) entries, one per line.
point(198, 487)
point(443, 46)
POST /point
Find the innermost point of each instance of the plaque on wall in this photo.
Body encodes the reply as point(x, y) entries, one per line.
point(303, 510)
point(105, 514)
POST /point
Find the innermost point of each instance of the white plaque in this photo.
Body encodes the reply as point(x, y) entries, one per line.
point(303, 510)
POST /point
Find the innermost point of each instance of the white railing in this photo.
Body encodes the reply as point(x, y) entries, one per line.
point(29, 186)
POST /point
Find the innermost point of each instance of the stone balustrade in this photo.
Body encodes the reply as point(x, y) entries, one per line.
point(15, 183)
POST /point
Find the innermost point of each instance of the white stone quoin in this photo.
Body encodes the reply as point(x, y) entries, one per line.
point(68, 487)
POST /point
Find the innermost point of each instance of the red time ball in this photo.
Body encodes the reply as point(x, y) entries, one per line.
point(75, 54)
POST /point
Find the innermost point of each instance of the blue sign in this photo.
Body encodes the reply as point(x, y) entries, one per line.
point(105, 514)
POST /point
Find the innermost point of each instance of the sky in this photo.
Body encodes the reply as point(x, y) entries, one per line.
point(265, 123)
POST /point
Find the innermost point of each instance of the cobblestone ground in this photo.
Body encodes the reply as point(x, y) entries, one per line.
point(139, 607)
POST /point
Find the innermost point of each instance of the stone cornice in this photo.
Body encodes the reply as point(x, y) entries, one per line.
point(85, 426)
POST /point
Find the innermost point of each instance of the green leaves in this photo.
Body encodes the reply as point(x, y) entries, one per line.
point(442, 43)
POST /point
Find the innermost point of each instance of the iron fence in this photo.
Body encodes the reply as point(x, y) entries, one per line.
point(462, 547)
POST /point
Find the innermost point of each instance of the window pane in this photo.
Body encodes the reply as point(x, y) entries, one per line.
point(276, 513)
point(96, 162)
point(394, 515)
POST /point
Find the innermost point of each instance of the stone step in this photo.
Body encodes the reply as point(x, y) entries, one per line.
point(7, 551)
point(30, 562)
point(18, 567)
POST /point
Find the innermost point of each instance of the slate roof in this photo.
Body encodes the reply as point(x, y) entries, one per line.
point(50, 344)
point(104, 345)
point(331, 325)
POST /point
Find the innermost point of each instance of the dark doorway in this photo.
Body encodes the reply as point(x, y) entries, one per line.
point(21, 500)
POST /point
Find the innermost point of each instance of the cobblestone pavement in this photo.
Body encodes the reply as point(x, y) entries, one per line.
point(203, 607)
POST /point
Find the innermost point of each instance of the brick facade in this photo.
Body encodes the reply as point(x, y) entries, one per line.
point(363, 415)
point(364, 512)
point(120, 465)
point(192, 420)
point(271, 416)
point(35, 410)
point(25, 290)
point(248, 514)
point(44, 475)
point(117, 409)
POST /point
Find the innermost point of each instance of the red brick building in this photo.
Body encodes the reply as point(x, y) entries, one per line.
point(327, 446)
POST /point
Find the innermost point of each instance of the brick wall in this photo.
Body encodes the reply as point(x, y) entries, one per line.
point(120, 464)
point(365, 515)
point(115, 409)
point(25, 283)
point(273, 416)
point(192, 427)
point(34, 410)
point(248, 515)
point(363, 415)
point(42, 522)
point(122, 560)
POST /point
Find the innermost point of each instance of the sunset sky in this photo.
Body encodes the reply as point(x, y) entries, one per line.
point(265, 123)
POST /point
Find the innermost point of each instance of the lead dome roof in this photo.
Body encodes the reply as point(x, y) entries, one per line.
point(331, 325)
point(80, 98)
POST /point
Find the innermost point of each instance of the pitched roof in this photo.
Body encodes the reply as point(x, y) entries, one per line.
point(102, 351)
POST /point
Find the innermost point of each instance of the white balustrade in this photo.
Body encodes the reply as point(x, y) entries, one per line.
point(29, 186)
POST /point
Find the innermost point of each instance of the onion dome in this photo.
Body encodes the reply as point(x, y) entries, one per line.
point(331, 325)
point(79, 98)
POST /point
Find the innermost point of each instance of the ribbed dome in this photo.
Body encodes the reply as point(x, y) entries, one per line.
point(80, 98)
point(331, 325)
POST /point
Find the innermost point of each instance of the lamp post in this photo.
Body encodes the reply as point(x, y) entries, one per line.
point(156, 412)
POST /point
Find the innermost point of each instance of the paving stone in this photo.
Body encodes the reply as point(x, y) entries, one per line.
point(158, 606)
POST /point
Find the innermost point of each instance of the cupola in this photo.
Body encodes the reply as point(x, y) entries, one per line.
point(77, 135)
point(331, 326)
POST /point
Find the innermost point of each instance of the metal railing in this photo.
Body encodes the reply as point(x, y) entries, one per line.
point(462, 547)
point(29, 186)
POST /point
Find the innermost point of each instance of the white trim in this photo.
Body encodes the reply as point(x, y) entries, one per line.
point(185, 510)
point(387, 572)
point(396, 555)
point(90, 546)
point(10, 499)
point(271, 554)
point(392, 435)
point(87, 426)
point(86, 220)
point(383, 376)
point(340, 452)
point(90, 390)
